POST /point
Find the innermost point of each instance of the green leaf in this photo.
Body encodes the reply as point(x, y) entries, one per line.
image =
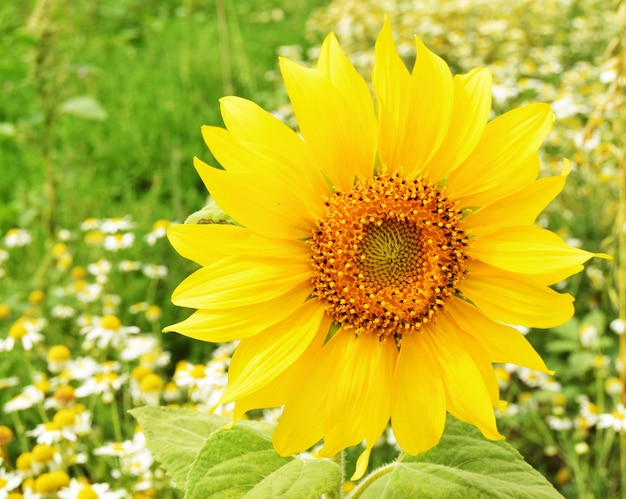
point(464, 464)
point(231, 462)
point(299, 478)
point(85, 107)
point(569, 330)
point(241, 462)
point(580, 362)
point(557, 346)
point(206, 460)
point(176, 436)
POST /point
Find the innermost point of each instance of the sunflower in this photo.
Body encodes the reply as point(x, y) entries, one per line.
point(378, 254)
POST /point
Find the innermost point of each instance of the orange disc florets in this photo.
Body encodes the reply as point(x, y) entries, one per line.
point(388, 254)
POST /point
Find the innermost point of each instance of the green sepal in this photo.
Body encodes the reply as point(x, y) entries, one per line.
point(210, 214)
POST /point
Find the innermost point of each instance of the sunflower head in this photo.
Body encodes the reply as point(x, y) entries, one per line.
point(377, 254)
point(387, 255)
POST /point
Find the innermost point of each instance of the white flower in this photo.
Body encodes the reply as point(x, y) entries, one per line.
point(159, 229)
point(9, 481)
point(63, 312)
point(155, 271)
point(115, 242)
point(50, 433)
point(17, 237)
point(145, 345)
point(618, 326)
point(107, 330)
point(30, 396)
point(104, 384)
point(25, 331)
point(100, 268)
point(615, 420)
point(589, 336)
point(117, 224)
point(129, 266)
point(135, 457)
point(559, 424)
point(81, 368)
point(77, 489)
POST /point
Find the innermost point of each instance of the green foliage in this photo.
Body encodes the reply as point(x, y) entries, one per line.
point(462, 464)
point(207, 460)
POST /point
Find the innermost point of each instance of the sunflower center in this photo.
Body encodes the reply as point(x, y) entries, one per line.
point(387, 255)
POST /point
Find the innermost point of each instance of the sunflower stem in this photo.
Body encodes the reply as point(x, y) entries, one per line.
point(371, 478)
point(340, 459)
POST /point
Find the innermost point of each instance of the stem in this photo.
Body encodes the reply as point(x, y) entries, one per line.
point(19, 431)
point(337, 493)
point(222, 27)
point(372, 477)
point(44, 75)
point(619, 129)
point(115, 415)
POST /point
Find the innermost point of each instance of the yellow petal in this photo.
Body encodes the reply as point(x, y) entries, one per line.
point(467, 397)
point(361, 464)
point(206, 243)
point(502, 343)
point(344, 399)
point(519, 208)
point(276, 392)
point(228, 324)
point(301, 424)
point(261, 358)
point(477, 352)
point(472, 105)
point(359, 400)
point(514, 299)
point(276, 203)
point(238, 282)
point(414, 110)
point(418, 411)
point(251, 125)
point(505, 159)
point(353, 89)
point(530, 250)
point(337, 122)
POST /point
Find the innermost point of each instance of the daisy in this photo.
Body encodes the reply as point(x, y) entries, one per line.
point(103, 384)
point(154, 271)
point(378, 254)
point(90, 224)
point(78, 489)
point(107, 330)
point(135, 457)
point(9, 481)
point(17, 237)
point(116, 224)
point(25, 331)
point(115, 242)
point(615, 420)
point(30, 396)
point(158, 231)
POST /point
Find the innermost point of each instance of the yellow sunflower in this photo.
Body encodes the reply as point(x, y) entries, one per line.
point(378, 253)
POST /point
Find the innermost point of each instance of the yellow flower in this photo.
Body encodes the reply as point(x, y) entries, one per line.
point(377, 253)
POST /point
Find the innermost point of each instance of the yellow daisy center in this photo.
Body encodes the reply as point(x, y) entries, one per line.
point(388, 254)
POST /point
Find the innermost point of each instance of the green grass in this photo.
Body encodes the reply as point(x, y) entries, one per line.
point(155, 67)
